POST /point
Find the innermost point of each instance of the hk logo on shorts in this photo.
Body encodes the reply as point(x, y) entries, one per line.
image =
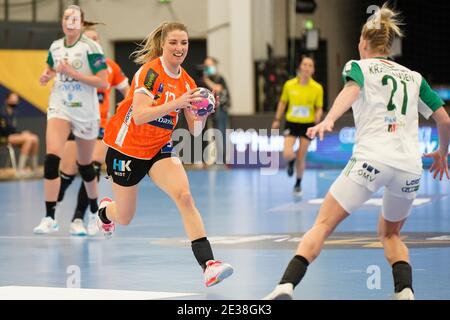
point(121, 165)
point(368, 172)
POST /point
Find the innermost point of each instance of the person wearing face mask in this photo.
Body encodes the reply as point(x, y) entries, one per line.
point(303, 97)
point(216, 83)
point(27, 141)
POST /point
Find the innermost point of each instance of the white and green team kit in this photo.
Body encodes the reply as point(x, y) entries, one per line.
point(74, 99)
point(386, 112)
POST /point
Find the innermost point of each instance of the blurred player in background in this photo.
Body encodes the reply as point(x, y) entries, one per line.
point(79, 66)
point(303, 97)
point(117, 80)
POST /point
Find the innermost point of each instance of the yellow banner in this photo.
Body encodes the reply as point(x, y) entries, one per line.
point(20, 71)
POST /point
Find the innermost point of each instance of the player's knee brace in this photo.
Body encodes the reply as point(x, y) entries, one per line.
point(51, 166)
point(98, 169)
point(87, 172)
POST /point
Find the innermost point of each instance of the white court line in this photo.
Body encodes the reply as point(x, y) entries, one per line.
point(56, 237)
point(377, 202)
point(52, 293)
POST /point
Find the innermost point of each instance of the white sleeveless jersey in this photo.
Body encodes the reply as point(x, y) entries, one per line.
point(77, 100)
point(386, 112)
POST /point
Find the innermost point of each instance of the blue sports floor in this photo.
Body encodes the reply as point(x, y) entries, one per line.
point(253, 222)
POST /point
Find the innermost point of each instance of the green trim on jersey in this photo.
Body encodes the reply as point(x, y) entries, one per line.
point(66, 46)
point(50, 61)
point(352, 72)
point(430, 97)
point(97, 62)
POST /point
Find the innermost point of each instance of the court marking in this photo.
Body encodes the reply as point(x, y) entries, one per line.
point(53, 293)
point(339, 240)
point(374, 202)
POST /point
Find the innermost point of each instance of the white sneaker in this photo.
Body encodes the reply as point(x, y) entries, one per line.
point(405, 294)
point(216, 271)
point(47, 225)
point(77, 228)
point(92, 228)
point(283, 291)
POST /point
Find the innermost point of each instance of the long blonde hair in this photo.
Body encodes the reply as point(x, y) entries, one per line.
point(381, 30)
point(151, 47)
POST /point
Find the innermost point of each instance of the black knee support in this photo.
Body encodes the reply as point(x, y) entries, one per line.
point(66, 181)
point(98, 169)
point(51, 166)
point(87, 172)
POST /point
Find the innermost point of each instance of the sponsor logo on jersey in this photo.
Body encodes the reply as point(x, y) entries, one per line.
point(368, 172)
point(393, 124)
point(65, 78)
point(150, 79)
point(77, 64)
point(99, 61)
point(128, 116)
point(159, 92)
point(165, 122)
point(75, 104)
point(411, 186)
point(70, 87)
point(167, 148)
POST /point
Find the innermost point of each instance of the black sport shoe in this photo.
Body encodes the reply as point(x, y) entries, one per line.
point(290, 168)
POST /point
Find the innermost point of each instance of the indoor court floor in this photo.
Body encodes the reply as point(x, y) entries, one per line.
point(254, 223)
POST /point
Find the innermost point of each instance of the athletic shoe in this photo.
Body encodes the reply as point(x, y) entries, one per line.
point(106, 228)
point(47, 225)
point(281, 292)
point(92, 228)
point(77, 228)
point(405, 294)
point(297, 190)
point(216, 271)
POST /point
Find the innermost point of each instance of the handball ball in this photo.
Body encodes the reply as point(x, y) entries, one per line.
point(204, 106)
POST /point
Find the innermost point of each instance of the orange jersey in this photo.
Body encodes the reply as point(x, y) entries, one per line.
point(116, 79)
point(144, 141)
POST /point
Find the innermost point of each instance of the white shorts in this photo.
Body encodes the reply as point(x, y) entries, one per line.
point(86, 130)
point(360, 179)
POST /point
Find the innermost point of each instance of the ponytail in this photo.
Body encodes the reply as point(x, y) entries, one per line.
point(381, 30)
point(151, 47)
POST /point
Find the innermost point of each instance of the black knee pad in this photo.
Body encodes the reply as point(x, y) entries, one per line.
point(87, 172)
point(98, 169)
point(51, 166)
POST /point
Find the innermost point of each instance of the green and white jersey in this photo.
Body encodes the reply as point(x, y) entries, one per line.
point(387, 112)
point(77, 100)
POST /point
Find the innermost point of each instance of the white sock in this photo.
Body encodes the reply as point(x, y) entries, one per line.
point(22, 162)
point(34, 162)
